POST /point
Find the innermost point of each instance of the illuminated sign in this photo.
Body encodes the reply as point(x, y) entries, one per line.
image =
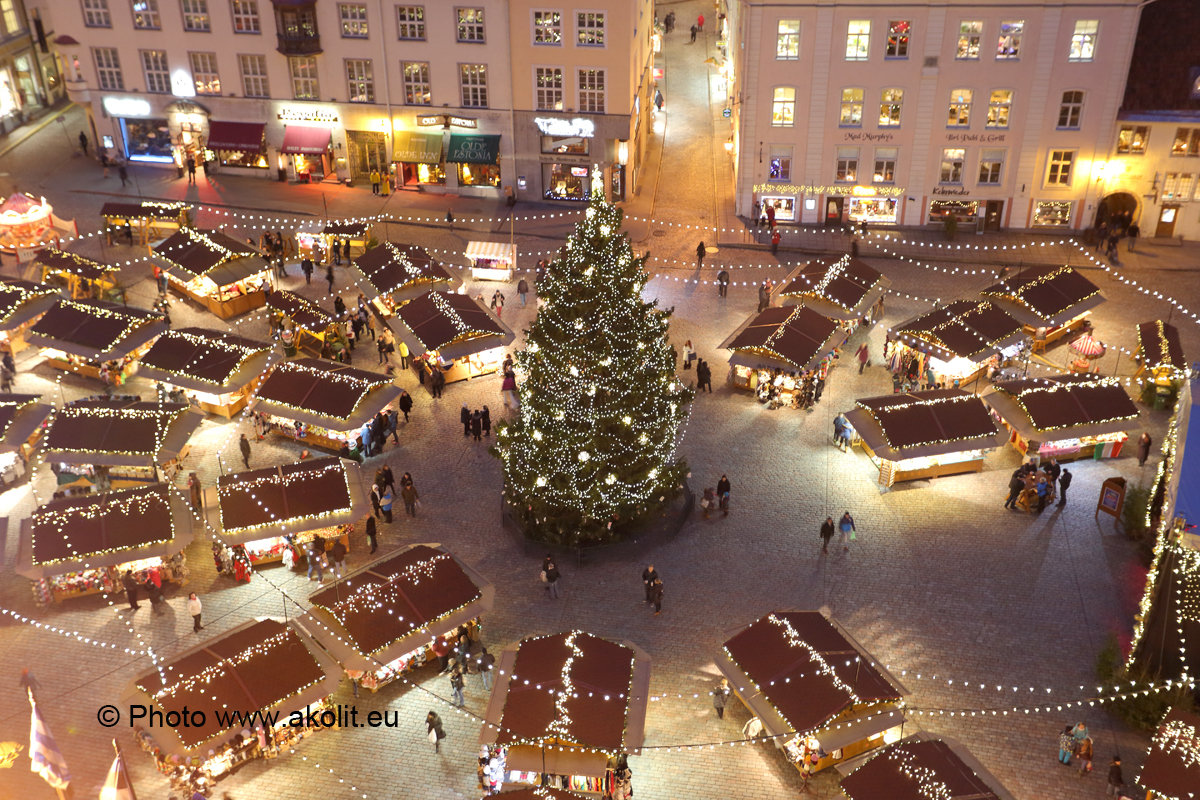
point(463, 122)
point(308, 115)
point(446, 120)
point(127, 106)
point(793, 188)
point(551, 126)
point(181, 84)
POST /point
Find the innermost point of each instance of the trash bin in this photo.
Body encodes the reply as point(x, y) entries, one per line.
point(281, 175)
point(289, 350)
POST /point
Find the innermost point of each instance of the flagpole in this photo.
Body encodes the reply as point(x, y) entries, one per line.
point(120, 755)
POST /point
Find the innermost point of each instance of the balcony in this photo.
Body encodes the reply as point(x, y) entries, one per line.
point(298, 44)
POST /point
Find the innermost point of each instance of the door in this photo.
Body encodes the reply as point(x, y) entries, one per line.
point(833, 210)
point(1166, 220)
point(993, 215)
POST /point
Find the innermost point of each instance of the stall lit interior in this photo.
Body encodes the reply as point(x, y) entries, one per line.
point(83, 278)
point(1051, 302)
point(87, 337)
point(143, 221)
point(955, 344)
point(1162, 366)
point(21, 420)
point(455, 331)
point(215, 271)
point(492, 261)
point(392, 274)
point(356, 232)
point(303, 325)
point(22, 303)
point(217, 371)
point(781, 354)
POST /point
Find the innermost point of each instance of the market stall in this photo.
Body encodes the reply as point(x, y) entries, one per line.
point(144, 220)
point(920, 767)
point(492, 261)
point(1172, 769)
point(392, 274)
point(96, 339)
point(262, 509)
point(955, 344)
point(215, 270)
point(454, 331)
point(79, 546)
point(1051, 302)
point(83, 278)
point(323, 404)
point(920, 435)
point(217, 369)
point(1161, 363)
point(550, 732)
point(304, 325)
point(815, 689)
point(1066, 417)
point(781, 354)
point(261, 665)
point(844, 289)
point(22, 303)
point(21, 418)
point(358, 232)
point(385, 616)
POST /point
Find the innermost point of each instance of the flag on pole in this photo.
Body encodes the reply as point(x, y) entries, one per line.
point(45, 757)
point(117, 785)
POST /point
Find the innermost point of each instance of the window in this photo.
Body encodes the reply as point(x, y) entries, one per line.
point(547, 27)
point(847, 165)
point(304, 77)
point(885, 165)
point(1184, 192)
point(204, 73)
point(591, 91)
point(1059, 173)
point(12, 20)
point(1132, 139)
point(254, 76)
point(195, 15)
point(1176, 186)
point(858, 40)
point(548, 88)
point(952, 164)
point(783, 107)
point(108, 68)
point(154, 68)
point(787, 40)
point(470, 24)
point(781, 164)
point(472, 80)
point(417, 91)
point(145, 15)
point(897, 42)
point(999, 104)
point(360, 81)
point(969, 34)
point(852, 103)
point(245, 16)
point(960, 108)
point(354, 20)
point(991, 167)
point(1009, 45)
point(411, 22)
point(1070, 110)
point(1083, 40)
point(889, 107)
point(1187, 142)
point(95, 14)
point(589, 27)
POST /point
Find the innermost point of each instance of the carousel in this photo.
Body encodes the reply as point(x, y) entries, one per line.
point(28, 223)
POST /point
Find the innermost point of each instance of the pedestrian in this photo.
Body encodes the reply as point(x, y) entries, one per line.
point(487, 421)
point(649, 576)
point(83, 142)
point(464, 416)
point(1131, 235)
point(195, 607)
point(244, 446)
point(689, 354)
point(408, 493)
point(771, 216)
point(316, 560)
point(191, 168)
point(498, 303)
point(403, 354)
point(764, 297)
point(437, 380)
point(6, 379)
point(376, 497)
point(508, 388)
point(456, 687)
point(701, 251)
point(336, 249)
point(405, 404)
point(775, 242)
point(486, 664)
point(450, 220)
point(1085, 756)
point(723, 494)
point(755, 212)
point(848, 531)
point(863, 354)
point(656, 595)
point(374, 181)
point(195, 492)
point(1016, 484)
point(703, 377)
point(329, 277)
point(695, 30)
point(337, 558)
point(522, 290)
point(372, 538)
point(477, 425)
point(306, 266)
point(1066, 744)
point(1116, 780)
point(1043, 494)
point(552, 578)
point(1101, 235)
point(1078, 733)
point(722, 283)
point(131, 589)
point(826, 534)
point(123, 173)
point(700, 22)
point(841, 431)
point(1064, 481)
point(433, 729)
point(1113, 239)
point(1143, 448)
point(720, 697)
point(385, 504)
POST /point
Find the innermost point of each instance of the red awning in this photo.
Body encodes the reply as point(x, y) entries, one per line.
point(236, 136)
point(305, 140)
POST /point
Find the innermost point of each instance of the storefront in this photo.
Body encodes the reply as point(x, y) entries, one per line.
point(454, 331)
point(303, 325)
point(1052, 214)
point(367, 152)
point(83, 278)
point(21, 420)
point(392, 274)
point(922, 766)
point(566, 146)
point(1161, 363)
point(418, 158)
point(1066, 417)
point(1171, 770)
point(1051, 302)
point(964, 212)
point(919, 435)
point(22, 304)
point(217, 370)
point(872, 210)
point(784, 205)
point(147, 139)
point(816, 691)
point(783, 355)
point(543, 731)
point(80, 546)
point(386, 616)
point(492, 261)
point(954, 345)
point(309, 152)
point(844, 289)
point(143, 221)
point(96, 339)
point(239, 145)
point(567, 181)
point(215, 271)
point(476, 157)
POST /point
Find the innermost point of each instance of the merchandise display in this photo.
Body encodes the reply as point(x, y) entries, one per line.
point(492, 261)
point(455, 331)
point(955, 344)
point(784, 355)
point(95, 338)
point(211, 268)
point(82, 277)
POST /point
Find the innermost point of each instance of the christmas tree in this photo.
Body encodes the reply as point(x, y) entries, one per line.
point(601, 407)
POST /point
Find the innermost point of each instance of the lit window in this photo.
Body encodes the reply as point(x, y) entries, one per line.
point(245, 16)
point(154, 67)
point(897, 42)
point(204, 73)
point(547, 27)
point(591, 91)
point(783, 107)
point(1132, 139)
point(1059, 172)
point(889, 107)
point(549, 88)
point(354, 20)
point(1180, 146)
point(952, 164)
point(991, 167)
point(411, 21)
point(416, 83)
point(470, 24)
point(589, 29)
point(360, 80)
point(847, 165)
point(1083, 40)
point(858, 40)
point(999, 105)
point(960, 108)
point(1070, 110)
point(96, 15)
point(1009, 45)
point(852, 108)
point(969, 35)
point(304, 77)
point(787, 40)
point(885, 165)
point(472, 81)
point(781, 164)
point(145, 15)
point(195, 16)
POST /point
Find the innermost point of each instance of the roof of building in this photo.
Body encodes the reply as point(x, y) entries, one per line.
point(1162, 74)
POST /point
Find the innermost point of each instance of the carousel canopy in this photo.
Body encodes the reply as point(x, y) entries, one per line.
point(204, 360)
point(20, 416)
point(1159, 347)
point(20, 204)
point(191, 253)
point(146, 209)
point(21, 301)
point(118, 433)
point(95, 329)
point(324, 393)
point(971, 329)
point(917, 768)
point(1045, 296)
point(844, 288)
point(1066, 405)
point(917, 424)
point(454, 325)
point(790, 338)
point(403, 271)
point(1172, 769)
point(292, 498)
point(492, 251)
point(54, 260)
point(350, 229)
point(302, 312)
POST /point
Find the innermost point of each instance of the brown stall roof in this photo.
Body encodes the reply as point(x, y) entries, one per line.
point(123, 521)
point(20, 416)
point(402, 271)
point(146, 209)
point(540, 793)
point(118, 432)
point(848, 285)
point(190, 253)
point(21, 301)
point(354, 229)
point(204, 360)
point(455, 325)
point(309, 493)
point(1171, 768)
point(918, 770)
point(95, 329)
point(1046, 296)
point(1159, 346)
point(792, 337)
point(301, 311)
point(324, 389)
point(1064, 403)
point(972, 329)
point(55, 260)
point(899, 426)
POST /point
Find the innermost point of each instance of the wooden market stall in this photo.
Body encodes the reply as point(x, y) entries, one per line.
point(844, 289)
point(547, 731)
point(1051, 302)
point(358, 231)
point(115, 443)
point(215, 270)
point(1172, 770)
point(218, 369)
point(144, 220)
point(88, 337)
point(83, 278)
point(261, 508)
point(386, 616)
point(22, 304)
point(954, 344)
point(21, 419)
point(919, 767)
point(78, 546)
point(392, 274)
point(1065, 417)
point(816, 690)
point(323, 404)
point(456, 332)
point(492, 261)
point(261, 665)
point(911, 437)
point(1161, 363)
point(304, 324)
point(780, 352)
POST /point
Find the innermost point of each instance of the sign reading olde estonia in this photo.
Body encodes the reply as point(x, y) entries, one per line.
point(308, 115)
point(551, 126)
point(446, 120)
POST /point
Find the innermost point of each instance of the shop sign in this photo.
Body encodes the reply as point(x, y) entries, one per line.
point(446, 120)
point(797, 188)
point(982, 138)
point(552, 126)
point(127, 106)
point(308, 115)
point(951, 190)
point(463, 122)
point(868, 136)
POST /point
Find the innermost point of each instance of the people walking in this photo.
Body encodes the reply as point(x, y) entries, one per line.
point(244, 446)
point(385, 504)
point(131, 589)
point(1066, 744)
point(195, 608)
point(720, 696)
point(775, 237)
point(486, 664)
point(695, 30)
point(703, 376)
point(1143, 448)
point(83, 142)
point(848, 531)
point(329, 277)
point(498, 303)
point(456, 687)
point(403, 354)
point(863, 354)
point(552, 578)
point(404, 403)
point(316, 560)
point(1085, 756)
point(408, 493)
point(1116, 780)
point(487, 421)
point(1064, 481)
point(376, 498)
point(337, 558)
point(723, 495)
point(522, 290)
point(656, 595)
point(649, 576)
point(1131, 235)
point(372, 538)
point(477, 425)
point(722, 283)
point(464, 416)
point(437, 381)
point(701, 251)
point(826, 534)
point(191, 168)
point(433, 729)
point(450, 220)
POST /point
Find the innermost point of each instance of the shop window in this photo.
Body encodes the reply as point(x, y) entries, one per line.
point(591, 91)
point(478, 175)
point(952, 164)
point(885, 165)
point(783, 107)
point(154, 68)
point(858, 40)
point(254, 76)
point(960, 108)
point(204, 73)
point(589, 28)
point(1132, 139)
point(411, 21)
point(999, 106)
point(1052, 214)
point(1186, 184)
point(304, 77)
point(780, 166)
point(96, 14)
point(108, 68)
point(991, 167)
point(897, 42)
point(559, 145)
point(787, 40)
point(145, 16)
point(470, 25)
point(851, 111)
point(147, 140)
point(970, 32)
point(847, 165)
point(1059, 171)
point(1083, 40)
point(566, 182)
point(245, 16)
point(472, 82)
point(360, 81)
point(417, 88)
point(547, 27)
point(962, 210)
point(1170, 187)
point(12, 20)
point(871, 209)
point(889, 107)
point(195, 16)
point(1070, 110)
point(548, 88)
point(785, 208)
point(1009, 45)
point(354, 20)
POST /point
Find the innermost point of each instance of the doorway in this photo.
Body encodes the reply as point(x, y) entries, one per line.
point(1166, 221)
point(1117, 210)
point(993, 215)
point(833, 210)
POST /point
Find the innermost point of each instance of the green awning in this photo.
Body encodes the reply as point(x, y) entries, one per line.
point(420, 148)
point(471, 148)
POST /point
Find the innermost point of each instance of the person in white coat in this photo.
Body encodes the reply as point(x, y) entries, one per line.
point(195, 607)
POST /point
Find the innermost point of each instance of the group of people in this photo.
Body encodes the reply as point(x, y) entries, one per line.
point(847, 533)
point(1076, 743)
point(1110, 233)
point(809, 385)
point(716, 498)
point(843, 432)
point(1032, 488)
point(383, 495)
point(152, 585)
point(477, 423)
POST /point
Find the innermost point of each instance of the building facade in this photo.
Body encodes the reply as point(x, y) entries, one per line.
point(444, 96)
point(996, 115)
point(28, 75)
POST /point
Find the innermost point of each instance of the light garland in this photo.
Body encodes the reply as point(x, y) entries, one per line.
point(881, 410)
point(360, 382)
point(132, 319)
point(208, 347)
point(53, 519)
point(1179, 740)
point(1018, 286)
point(304, 481)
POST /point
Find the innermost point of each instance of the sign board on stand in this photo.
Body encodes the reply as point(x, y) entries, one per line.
point(1112, 497)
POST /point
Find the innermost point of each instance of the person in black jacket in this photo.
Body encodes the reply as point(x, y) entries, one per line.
point(1015, 485)
point(656, 595)
point(487, 422)
point(464, 417)
point(477, 425)
point(649, 576)
point(131, 590)
point(723, 494)
point(826, 534)
point(1064, 480)
point(433, 729)
point(405, 404)
point(371, 538)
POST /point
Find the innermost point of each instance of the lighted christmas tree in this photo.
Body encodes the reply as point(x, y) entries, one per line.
point(601, 407)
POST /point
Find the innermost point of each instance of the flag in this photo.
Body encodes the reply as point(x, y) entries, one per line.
point(45, 757)
point(117, 785)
